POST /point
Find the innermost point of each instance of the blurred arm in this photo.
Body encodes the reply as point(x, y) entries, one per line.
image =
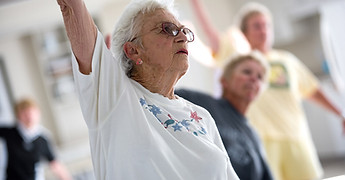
point(59, 170)
point(81, 31)
point(319, 98)
point(211, 32)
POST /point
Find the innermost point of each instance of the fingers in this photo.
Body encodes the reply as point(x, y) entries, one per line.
point(108, 40)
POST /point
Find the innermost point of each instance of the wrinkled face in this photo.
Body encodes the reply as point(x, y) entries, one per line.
point(163, 52)
point(259, 31)
point(29, 117)
point(245, 81)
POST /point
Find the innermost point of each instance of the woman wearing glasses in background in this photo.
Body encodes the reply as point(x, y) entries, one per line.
point(138, 128)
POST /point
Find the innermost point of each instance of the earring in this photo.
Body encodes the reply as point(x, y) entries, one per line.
point(139, 61)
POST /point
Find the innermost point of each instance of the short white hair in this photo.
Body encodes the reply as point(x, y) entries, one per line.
point(248, 9)
point(128, 26)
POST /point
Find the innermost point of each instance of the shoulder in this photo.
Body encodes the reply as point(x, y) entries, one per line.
point(7, 128)
point(191, 94)
point(283, 54)
point(198, 98)
point(45, 135)
point(7, 131)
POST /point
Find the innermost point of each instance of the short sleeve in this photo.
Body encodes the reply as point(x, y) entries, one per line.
point(100, 90)
point(307, 81)
point(232, 42)
point(48, 152)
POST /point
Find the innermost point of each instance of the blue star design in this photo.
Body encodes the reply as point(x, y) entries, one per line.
point(142, 101)
point(203, 130)
point(155, 110)
point(177, 127)
point(185, 124)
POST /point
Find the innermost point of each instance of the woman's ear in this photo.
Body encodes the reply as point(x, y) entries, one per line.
point(131, 51)
point(223, 82)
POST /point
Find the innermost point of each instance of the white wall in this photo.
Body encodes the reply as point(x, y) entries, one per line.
point(23, 73)
point(326, 129)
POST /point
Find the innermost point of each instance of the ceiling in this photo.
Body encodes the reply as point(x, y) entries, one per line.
point(8, 2)
point(23, 16)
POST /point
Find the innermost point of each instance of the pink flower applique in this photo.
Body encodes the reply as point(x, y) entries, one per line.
point(195, 116)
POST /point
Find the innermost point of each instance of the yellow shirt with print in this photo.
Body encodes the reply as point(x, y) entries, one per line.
point(278, 112)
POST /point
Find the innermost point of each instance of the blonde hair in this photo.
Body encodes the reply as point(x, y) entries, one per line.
point(24, 104)
point(237, 59)
point(249, 10)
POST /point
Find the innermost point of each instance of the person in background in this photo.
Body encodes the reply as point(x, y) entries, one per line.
point(138, 127)
point(242, 81)
point(27, 145)
point(277, 114)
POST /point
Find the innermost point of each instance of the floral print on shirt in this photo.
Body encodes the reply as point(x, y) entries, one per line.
point(191, 124)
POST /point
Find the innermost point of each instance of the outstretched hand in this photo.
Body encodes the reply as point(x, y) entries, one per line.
point(65, 4)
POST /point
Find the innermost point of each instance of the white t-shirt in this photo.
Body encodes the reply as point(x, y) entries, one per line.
point(136, 134)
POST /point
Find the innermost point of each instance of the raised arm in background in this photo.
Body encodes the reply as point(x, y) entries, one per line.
point(81, 31)
point(319, 98)
point(222, 44)
point(211, 33)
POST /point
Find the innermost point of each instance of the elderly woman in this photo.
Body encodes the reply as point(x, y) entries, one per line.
point(138, 128)
point(242, 80)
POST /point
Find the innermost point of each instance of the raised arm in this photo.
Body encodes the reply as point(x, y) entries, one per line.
point(319, 98)
point(211, 32)
point(81, 31)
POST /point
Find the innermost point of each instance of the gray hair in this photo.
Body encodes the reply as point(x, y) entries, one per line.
point(250, 9)
point(129, 25)
point(254, 55)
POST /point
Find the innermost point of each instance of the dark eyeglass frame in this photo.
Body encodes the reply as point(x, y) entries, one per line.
point(173, 31)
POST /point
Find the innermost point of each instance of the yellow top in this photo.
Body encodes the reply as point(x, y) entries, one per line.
point(232, 42)
point(278, 112)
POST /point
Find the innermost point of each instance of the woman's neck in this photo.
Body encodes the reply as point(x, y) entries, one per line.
point(162, 84)
point(240, 104)
point(263, 49)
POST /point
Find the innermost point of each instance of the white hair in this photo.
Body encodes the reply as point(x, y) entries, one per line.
point(128, 26)
point(249, 8)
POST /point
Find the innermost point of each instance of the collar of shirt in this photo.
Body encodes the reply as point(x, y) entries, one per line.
point(29, 135)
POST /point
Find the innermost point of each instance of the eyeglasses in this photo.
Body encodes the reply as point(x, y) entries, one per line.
point(172, 30)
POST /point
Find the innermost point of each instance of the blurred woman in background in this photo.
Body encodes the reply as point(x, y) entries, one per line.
point(243, 79)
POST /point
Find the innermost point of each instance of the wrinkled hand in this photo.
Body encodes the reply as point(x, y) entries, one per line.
point(67, 5)
point(63, 5)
